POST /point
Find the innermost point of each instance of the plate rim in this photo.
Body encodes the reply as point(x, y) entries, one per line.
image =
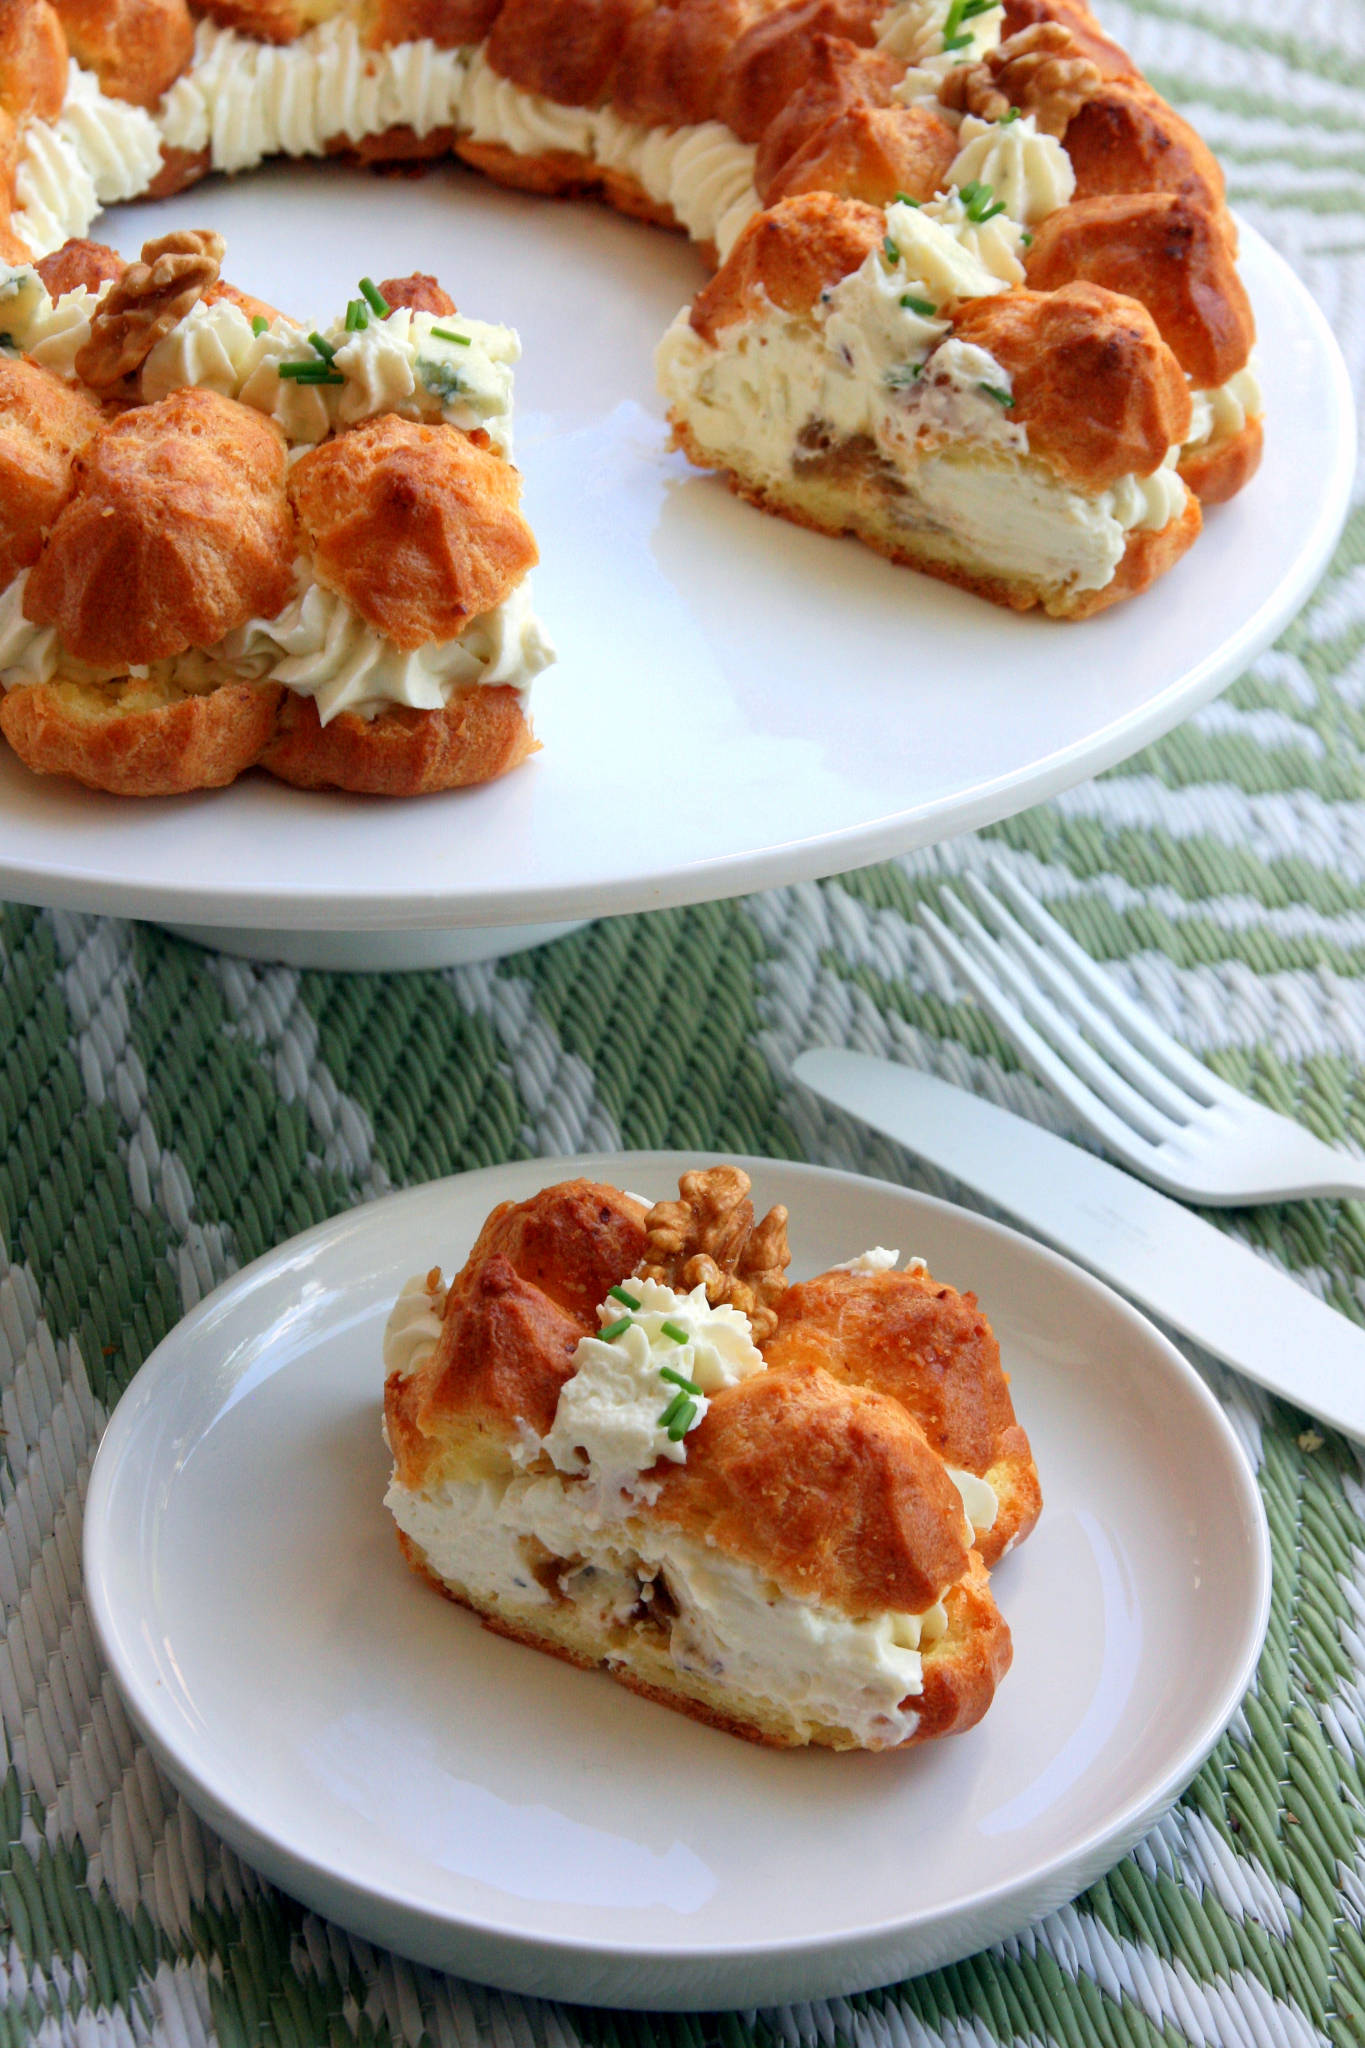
point(1125, 1826)
point(54, 883)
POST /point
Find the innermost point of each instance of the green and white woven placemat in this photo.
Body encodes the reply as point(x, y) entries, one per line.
point(167, 1115)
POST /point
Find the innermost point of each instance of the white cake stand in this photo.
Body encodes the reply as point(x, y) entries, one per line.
point(738, 703)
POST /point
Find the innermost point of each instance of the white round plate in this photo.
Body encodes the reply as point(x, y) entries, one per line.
point(738, 703)
point(489, 1810)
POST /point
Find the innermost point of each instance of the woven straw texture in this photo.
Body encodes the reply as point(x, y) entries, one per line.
point(168, 1115)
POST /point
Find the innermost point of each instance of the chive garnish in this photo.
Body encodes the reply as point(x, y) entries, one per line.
point(682, 1421)
point(309, 373)
point(678, 1379)
point(373, 297)
point(890, 250)
point(619, 1294)
point(676, 1332)
point(994, 391)
point(259, 323)
point(924, 307)
point(958, 42)
point(673, 1411)
point(323, 347)
point(357, 316)
point(1005, 119)
point(444, 334)
point(980, 202)
point(1027, 239)
point(614, 1329)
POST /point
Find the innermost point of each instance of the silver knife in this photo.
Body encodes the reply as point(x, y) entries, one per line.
point(1195, 1278)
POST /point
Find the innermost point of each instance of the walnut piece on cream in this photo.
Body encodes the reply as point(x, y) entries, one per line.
point(146, 302)
point(709, 1238)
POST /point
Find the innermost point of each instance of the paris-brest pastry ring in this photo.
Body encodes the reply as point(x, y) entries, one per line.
point(975, 301)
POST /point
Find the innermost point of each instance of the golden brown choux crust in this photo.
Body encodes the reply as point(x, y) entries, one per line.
point(1146, 556)
point(1217, 471)
point(447, 23)
point(33, 59)
point(772, 60)
point(873, 154)
point(269, 21)
point(930, 1348)
point(504, 1352)
point(44, 421)
point(1110, 59)
point(568, 53)
point(574, 1241)
point(245, 302)
point(481, 733)
point(418, 292)
point(180, 168)
point(842, 76)
point(136, 48)
point(553, 173)
point(830, 1490)
point(1167, 251)
point(1096, 387)
point(1126, 139)
point(671, 60)
point(787, 256)
point(963, 1669)
point(415, 527)
point(12, 248)
point(177, 530)
point(79, 265)
point(139, 737)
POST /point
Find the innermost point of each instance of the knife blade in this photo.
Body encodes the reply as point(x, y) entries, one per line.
point(1194, 1277)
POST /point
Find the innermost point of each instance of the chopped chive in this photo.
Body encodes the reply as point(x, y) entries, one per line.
point(259, 323)
point(682, 1421)
point(374, 298)
point(952, 22)
point(924, 307)
point(676, 1332)
point(619, 1294)
point(323, 347)
point(1005, 119)
point(678, 1379)
point(673, 1411)
point(980, 202)
point(1027, 239)
point(357, 316)
point(444, 334)
point(890, 250)
point(994, 391)
point(309, 373)
point(613, 1330)
point(958, 42)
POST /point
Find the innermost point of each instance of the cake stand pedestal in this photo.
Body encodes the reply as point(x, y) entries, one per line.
point(381, 952)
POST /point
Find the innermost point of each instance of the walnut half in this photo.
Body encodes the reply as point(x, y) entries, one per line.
point(709, 1238)
point(146, 302)
point(1040, 70)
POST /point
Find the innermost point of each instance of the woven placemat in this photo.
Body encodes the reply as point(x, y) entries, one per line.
point(167, 1115)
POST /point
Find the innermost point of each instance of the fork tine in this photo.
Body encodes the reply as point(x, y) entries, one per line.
point(1029, 1042)
point(1163, 1050)
point(1087, 1066)
point(1037, 962)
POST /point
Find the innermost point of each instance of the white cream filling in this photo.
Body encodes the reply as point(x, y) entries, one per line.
point(401, 364)
point(914, 31)
point(818, 1666)
point(1029, 173)
point(244, 101)
point(1222, 411)
point(319, 647)
point(97, 151)
point(610, 1424)
point(412, 1331)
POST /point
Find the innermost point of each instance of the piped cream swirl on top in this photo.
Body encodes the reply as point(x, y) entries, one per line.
point(98, 150)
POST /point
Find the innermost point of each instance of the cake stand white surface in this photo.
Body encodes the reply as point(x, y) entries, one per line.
point(737, 703)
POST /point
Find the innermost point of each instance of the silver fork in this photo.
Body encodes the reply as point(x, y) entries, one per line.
point(1150, 1102)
